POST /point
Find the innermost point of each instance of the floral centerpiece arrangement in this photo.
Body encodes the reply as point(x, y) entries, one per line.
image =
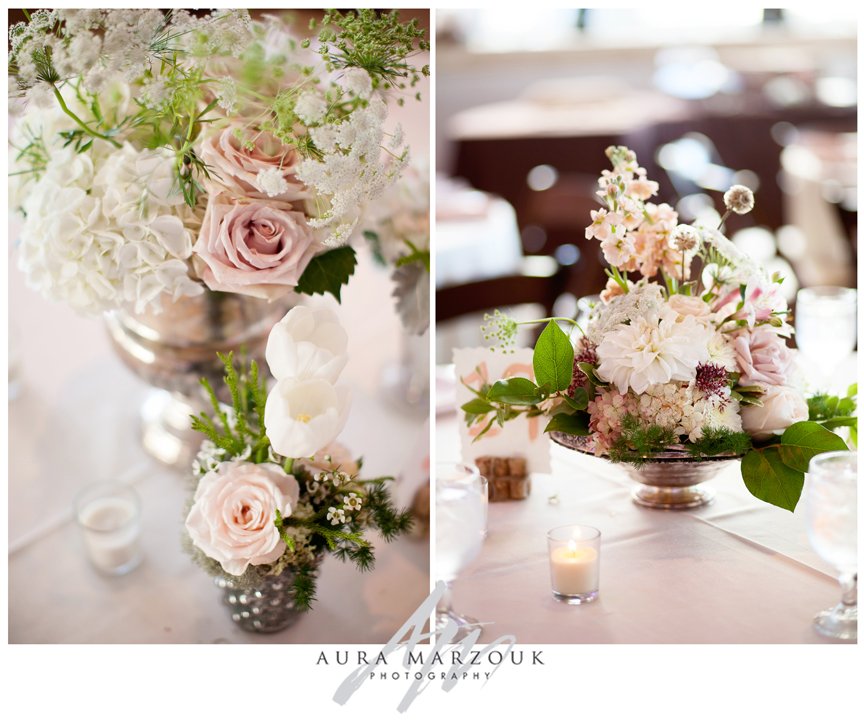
point(161, 153)
point(676, 361)
point(274, 490)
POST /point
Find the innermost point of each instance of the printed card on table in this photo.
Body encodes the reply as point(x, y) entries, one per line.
point(520, 437)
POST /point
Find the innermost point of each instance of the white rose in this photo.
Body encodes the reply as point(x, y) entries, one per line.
point(232, 519)
point(302, 416)
point(307, 343)
point(782, 406)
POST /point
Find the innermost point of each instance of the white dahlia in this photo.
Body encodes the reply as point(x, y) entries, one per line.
point(653, 349)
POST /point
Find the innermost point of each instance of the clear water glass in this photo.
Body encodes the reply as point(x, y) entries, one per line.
point(826, 327)
point(831, 516)
point(461, 498)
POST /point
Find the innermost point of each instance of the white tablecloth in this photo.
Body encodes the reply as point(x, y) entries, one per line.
point(735, 571)
point(75, 422)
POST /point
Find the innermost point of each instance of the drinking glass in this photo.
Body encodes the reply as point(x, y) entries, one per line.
point(831, 515)
point(460, 525)
point(825, 327)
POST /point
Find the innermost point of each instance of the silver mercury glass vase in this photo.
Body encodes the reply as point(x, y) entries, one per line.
point(173, 349)
point(267, 607)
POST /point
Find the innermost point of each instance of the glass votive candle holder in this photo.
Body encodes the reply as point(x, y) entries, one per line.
point(109, 515)
point(574, 563)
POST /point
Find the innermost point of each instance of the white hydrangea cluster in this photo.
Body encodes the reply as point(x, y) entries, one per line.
point(686, 411)
point(679, 407)
point(105, 228)
point(352, 171)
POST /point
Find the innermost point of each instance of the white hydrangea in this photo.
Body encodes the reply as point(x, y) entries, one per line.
point(106, 229)
point(684, 410)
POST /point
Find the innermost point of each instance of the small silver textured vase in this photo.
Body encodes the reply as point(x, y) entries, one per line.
point(265, 608)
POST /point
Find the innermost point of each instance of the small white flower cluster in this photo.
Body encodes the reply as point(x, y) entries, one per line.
point(209, 457)
point(351, 503)
point(352, 171)
point(310, 107)
point(101, 45)
point(271, 182)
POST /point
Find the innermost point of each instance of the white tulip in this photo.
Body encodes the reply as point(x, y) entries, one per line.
point(302, 416)
point(307, 343)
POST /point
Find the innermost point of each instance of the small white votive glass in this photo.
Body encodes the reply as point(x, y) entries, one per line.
point(574, 563)
point(109, 515)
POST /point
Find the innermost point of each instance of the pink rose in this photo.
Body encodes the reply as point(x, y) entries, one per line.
point(235, 167)
point(762, 357)
point(252, 247)
point(690, 305)
point(781, 407)
point(233, 517)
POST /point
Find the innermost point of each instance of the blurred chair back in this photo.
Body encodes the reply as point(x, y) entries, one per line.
point(540, 287)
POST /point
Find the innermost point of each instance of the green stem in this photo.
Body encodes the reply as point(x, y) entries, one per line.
point(26, 14)
point(723, 219)
point(79, 121)
point(551, 319)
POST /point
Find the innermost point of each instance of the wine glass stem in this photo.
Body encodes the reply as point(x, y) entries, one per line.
point(445, 604)
point(849, 585)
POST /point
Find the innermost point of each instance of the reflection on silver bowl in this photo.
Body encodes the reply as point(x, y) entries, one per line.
point(672, 480)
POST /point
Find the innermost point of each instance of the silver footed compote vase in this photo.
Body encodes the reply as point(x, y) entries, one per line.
point(671, 480)
point(171, 350)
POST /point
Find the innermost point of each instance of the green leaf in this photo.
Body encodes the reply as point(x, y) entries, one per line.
point(570, 424)
point(579, 401)
point(328, 272)
point(476, 406)
point(591, 373)
point(803, 440)
point(515, 391)
point(770, 480)
point(553, 358)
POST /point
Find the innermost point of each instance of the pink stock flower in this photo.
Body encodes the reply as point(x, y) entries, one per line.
point(605, 225)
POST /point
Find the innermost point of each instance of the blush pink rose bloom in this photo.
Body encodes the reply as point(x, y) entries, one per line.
point(690, 305)
point(252, 247)
point(762, 357)
point(781, 407)
point(234, 167)
point(233, 517)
